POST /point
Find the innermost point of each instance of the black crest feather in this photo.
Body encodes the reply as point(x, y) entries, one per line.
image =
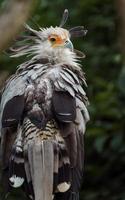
point(64, 18)
point(78, 31)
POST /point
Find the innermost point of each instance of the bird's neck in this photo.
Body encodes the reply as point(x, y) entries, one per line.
point(59, 56)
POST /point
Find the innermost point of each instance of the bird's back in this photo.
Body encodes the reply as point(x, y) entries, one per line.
point(46, 153)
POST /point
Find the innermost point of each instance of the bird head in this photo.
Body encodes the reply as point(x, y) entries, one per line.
point(52, 42)
point(60, 38)
point(54, 38)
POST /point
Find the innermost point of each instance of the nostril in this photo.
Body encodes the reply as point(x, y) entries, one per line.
point(66, 42)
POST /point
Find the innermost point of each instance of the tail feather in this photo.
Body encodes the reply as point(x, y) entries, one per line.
point(48, 169)
point(62, 175)
point(29, 171)
point(67, 195)
point(56, 166)
point(42, 164)
point(40, 156)
point(16, 163)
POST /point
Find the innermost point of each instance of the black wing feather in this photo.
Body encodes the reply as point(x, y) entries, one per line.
point(64, 106)
point(13, 111)
point(74, 139)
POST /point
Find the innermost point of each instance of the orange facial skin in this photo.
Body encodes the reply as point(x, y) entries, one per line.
point(57, 40)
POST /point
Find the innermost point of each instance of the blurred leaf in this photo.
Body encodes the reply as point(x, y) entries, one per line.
point(121, 81)
point(99, 143)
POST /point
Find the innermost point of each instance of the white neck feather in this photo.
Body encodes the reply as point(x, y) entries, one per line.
point(43, 49)
point(59, 55)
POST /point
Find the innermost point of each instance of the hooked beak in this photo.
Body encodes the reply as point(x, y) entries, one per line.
point(68, 44)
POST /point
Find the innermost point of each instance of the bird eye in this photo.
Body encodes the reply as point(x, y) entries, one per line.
point(52, 39)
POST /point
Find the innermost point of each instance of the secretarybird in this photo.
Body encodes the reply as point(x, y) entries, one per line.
point(43, 115)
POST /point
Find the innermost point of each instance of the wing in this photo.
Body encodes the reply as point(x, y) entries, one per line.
point(12, 101)
point(71, 115)
point(11, 108)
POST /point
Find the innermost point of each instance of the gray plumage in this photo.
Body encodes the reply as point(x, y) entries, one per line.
point(43, 117)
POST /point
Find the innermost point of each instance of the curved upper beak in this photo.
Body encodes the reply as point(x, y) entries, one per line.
point(68, 44)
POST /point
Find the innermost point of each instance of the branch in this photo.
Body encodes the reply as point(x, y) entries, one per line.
point(12, 19)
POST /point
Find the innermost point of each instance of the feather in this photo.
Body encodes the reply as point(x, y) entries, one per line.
point(56, 165)
point(41, 159)
point(64, 18)
point(8, 136)
point(67, 77)
point(15, 87)
point(75, 146)
point(83, 109)
point(13, 111)
point(81, 90)
point(16, 163)
point(69, 132)
point(37, 116)
point(79, 54)
point(32, 31)
point(64, 106)
point(62, 178)
point(78, 31)
point(66, 88)
point(63, 187)
point(76, 28)
point(69, 81)
point(73, 75)
point(16, 181)
point(48, 169)
point(69, 195)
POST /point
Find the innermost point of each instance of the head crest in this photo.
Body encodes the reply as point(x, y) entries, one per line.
point(25, 43)
point(77, 31)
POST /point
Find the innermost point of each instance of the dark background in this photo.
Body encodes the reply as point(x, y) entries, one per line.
point(104, 175)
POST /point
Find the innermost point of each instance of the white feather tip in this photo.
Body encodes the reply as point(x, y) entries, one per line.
point(63, 187)
point(16, 181)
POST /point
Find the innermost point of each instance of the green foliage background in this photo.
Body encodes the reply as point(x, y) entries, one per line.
point(104, 175)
